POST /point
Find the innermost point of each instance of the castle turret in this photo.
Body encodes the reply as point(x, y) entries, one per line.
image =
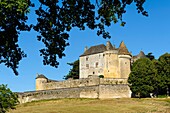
point(111, 63)
point(124, 60)
point(40, 81)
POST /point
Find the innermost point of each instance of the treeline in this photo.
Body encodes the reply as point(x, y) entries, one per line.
point(150, 76)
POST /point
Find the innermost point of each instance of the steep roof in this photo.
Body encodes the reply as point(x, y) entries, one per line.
point(41, 76)
point(141, 54)
point(123, 49)
point(94, 49)
point(109, 46)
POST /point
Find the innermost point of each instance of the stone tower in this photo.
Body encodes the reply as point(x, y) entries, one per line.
point(40, 81)
point(124, 60)
point(111, 69)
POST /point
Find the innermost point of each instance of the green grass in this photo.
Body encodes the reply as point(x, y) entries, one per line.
point(132, 105)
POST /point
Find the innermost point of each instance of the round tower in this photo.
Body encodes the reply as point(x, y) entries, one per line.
point(40, 82)
point(111, 69)
point(124, 61)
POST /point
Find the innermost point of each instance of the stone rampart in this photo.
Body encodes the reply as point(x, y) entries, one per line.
point(82, 88)
point(71, 83)
point(80, 92)
point(82, 82)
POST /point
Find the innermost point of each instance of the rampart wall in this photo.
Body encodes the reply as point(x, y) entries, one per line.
point(82, 82)
point(82, 88)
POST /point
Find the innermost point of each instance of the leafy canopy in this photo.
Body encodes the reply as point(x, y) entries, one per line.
point(8, 99)
point(54, 22)
point(142, 78)
point(163, 68)
point(12, 21)
point(74, 71)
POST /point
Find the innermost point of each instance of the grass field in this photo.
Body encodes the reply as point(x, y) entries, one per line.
point(132, 105)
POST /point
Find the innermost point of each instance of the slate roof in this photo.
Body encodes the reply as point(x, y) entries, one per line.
point(41, 76)
point(141, 54)
point(123, 50)
point(95, 49)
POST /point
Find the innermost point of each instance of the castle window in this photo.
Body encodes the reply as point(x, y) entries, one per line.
point(93, 73)
point(87, 65)
point(87, 58)
point(97, 64)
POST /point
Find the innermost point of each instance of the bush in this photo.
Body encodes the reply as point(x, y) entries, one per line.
point(8, 99)
point(101, 76)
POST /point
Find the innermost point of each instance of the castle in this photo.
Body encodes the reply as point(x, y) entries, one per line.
point(109, 61)
point(114, 64)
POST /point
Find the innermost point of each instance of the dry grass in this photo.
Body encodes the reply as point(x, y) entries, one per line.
point(96, 106)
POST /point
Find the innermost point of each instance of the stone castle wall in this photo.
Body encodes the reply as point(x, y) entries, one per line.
point(82, 88)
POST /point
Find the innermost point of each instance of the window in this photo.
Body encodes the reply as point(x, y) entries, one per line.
point(97, 64)
point(87, 65)
point(87, 58)
point(93, 73)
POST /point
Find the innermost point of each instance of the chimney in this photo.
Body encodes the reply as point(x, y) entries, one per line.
point(85, 49)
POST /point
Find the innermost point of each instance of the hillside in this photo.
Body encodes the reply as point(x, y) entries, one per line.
point(96, 106)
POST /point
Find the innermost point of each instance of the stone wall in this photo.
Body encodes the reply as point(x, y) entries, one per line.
point(81, 92)
point(72, 83)
point(82, 88)
point(91, 65)
point(91, 81)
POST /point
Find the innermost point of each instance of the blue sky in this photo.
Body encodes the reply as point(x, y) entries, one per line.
point(149, 34)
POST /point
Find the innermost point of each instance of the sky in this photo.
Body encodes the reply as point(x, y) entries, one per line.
point(149, 34)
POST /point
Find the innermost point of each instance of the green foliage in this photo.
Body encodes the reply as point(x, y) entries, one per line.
point(151, 76)
point(8, 99)
point(74, 72)
point(12, 20)
point(164, 72)
point(54, 21)
point(150, 56)
point(101, 76)
point(143, 77)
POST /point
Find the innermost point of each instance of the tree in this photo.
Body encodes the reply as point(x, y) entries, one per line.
point(55, 20)
point(142, 78)
point(74, 71)
point(164, 73)
point(8, 99)
point(12, 21)
point(150, 56)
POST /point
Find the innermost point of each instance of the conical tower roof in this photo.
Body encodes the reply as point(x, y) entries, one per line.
point(41, 76)
point(123, 50)
point(109, 46)
point(141, 54)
